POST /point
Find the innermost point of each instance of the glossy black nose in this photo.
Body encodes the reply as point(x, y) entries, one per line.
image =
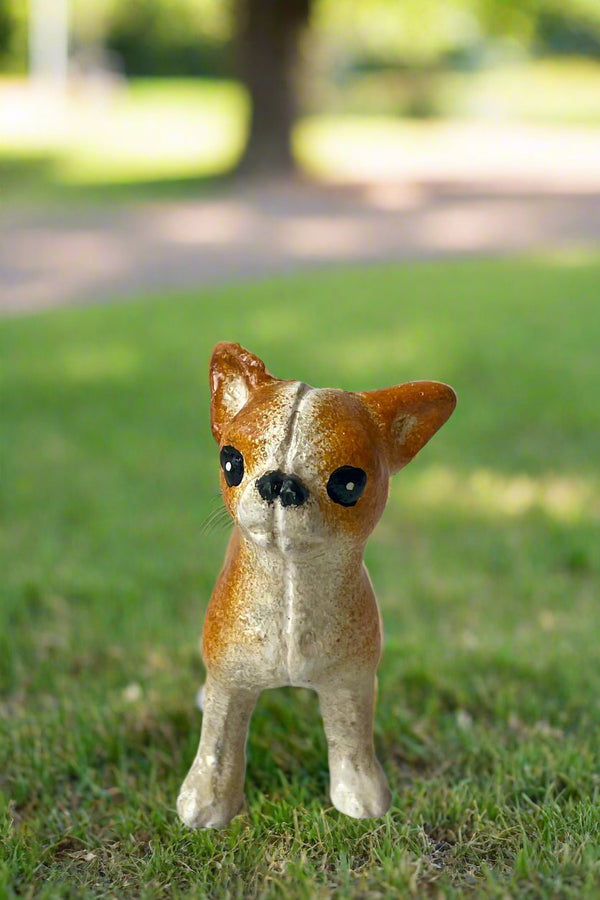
point(290, 490)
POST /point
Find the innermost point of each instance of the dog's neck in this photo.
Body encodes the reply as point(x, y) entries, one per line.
point(335, 555)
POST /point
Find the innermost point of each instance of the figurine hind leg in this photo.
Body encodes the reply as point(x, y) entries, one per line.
point(358, 786)
point(213, 791)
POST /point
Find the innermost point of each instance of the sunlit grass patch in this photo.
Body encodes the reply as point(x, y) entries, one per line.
point(560, 90)
point(489, 494)
point(124, 133)
point(158, 131)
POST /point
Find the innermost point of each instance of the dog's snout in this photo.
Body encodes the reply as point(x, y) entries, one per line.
point(290, 490)
point(293, 492)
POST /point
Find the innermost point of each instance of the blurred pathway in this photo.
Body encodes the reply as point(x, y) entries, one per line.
point(101, 253)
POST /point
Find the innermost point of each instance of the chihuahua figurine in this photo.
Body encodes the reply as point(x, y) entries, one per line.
point(304, 475)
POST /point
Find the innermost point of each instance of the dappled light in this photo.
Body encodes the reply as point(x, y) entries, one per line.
point(101, 252)
point(211, 224)
point(508, 155)
point(569, 257)
point(488, 494)
point(141, 162)
point(125, 133)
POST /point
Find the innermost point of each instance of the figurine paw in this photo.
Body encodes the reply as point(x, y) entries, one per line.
point(198, 809)
point(360, 792)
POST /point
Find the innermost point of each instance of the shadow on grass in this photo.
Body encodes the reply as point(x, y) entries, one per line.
point(18, 171)
point(39, 178)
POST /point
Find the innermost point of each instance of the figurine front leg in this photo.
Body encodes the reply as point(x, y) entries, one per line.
point(358, 786)
point(213, 791)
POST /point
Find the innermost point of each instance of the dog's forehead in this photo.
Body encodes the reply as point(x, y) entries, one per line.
point(327, 411)
point(333, 427)
point(291, 424)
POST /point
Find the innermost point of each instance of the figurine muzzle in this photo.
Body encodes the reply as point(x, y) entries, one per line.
point(288, 488)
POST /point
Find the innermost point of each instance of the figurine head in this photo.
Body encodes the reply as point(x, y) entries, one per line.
point(303, 467)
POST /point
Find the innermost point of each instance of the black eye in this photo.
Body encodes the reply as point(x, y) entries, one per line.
point(232, 463)
point(346, 484)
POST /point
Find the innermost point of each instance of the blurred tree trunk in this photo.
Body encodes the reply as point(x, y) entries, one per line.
point(268, 43)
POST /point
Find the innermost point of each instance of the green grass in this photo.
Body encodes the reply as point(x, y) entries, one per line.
point(486, 564)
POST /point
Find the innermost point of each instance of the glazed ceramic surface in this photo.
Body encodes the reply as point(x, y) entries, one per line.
point(304, 474)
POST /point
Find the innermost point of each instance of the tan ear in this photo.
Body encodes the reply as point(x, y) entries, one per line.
point(408, 415)
point(234, 374)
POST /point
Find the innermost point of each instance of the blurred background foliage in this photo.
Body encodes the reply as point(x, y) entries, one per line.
point(350, 37)
point(518, 60)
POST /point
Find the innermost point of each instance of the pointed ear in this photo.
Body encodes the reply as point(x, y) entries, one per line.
point(408, 415)
point(234, 374)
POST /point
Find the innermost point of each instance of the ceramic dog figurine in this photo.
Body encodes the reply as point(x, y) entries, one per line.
point(304, 475)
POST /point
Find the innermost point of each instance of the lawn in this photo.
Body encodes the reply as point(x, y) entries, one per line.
point(486, 563)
